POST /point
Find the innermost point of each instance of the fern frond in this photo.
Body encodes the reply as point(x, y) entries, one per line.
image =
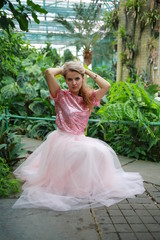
point(129, 111)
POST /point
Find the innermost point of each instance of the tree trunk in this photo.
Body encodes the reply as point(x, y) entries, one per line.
point(87, 56)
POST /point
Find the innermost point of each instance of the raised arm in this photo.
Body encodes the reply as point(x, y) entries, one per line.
point(102, 83)
point(51, 80)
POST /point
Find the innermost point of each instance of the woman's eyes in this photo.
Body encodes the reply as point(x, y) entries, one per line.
point(70, 79)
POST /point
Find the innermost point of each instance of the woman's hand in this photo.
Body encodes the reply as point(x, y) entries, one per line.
point(102, 83)
point(51, 80)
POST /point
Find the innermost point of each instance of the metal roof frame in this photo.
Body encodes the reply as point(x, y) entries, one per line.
point(40, 33)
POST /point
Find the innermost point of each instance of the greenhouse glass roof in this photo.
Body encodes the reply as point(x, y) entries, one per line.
point(50, 31)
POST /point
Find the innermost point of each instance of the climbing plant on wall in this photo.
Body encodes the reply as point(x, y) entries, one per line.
point(138, 15)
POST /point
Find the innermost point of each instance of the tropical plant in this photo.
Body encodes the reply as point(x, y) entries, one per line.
point(52, 53)
point(22, 79)
point(111, 19)
point(67, 56)
point(132, 103)
point(138, 15)
point(134, 7)
point(84, 28)
point(39, 129)
point(150, 18)
point(106, 72)
point(20, 13)
point(8, 184)
point(12, 51)
point(11, 148)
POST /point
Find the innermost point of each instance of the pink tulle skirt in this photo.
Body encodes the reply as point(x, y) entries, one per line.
point(68, 172)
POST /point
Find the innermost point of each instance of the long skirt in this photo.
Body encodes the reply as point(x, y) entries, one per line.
point(68, 172)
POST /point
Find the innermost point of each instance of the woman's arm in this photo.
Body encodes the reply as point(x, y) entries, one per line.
point(51, 80)
point(102, 83)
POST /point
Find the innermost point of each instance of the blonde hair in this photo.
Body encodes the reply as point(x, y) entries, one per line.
point(73, 66)
point(85, 92)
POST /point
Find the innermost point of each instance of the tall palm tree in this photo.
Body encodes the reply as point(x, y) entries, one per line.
point(85, 28)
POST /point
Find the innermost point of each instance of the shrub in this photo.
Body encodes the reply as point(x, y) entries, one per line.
point(8, 184)
point(129, 102)
point(11, 148)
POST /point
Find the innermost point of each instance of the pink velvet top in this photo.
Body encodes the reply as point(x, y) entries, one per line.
point(71, 113)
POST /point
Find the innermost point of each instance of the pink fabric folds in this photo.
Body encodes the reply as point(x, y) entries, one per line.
point(68, 172)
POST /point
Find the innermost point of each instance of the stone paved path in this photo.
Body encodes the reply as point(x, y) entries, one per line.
point(131, 219)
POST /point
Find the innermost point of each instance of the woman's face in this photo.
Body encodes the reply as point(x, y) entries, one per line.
point(74, 81)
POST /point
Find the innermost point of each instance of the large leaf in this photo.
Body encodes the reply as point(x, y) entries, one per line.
point(7, 80)
point(34, 70)
point(36, 7)
point(38, 108)
point(2, 3)
point(29, 91)
point(10, 91)
point(27, 62)
point(44, 93)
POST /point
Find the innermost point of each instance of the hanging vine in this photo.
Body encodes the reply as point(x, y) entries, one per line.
point(136, 16)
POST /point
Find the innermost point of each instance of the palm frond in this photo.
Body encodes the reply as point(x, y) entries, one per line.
point(69, 26)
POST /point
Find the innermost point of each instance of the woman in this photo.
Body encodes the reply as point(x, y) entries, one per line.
point(69, 170)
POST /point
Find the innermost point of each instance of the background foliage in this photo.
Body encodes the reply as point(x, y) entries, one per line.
point(132, 103)
point(24, 91)
point(8, 184)
point(9, 13)
point(125, 112)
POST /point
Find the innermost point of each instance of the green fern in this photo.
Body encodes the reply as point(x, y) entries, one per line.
point(129, 111)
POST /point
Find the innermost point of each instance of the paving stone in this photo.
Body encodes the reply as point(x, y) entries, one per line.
point(125, 206)
point(103, 219)
point(150, 206)
point(138, 227)
point(114, 212)
point(158, 187)
point(102, 216)
point(132, 200)
point(157, 218)
point(153, 227)
point(144, 236)
point(147, 219)
point(133, 219)
point(127, 236)
point(156, 236)
point(109, 228)
point(137, 206)
point(144, 200)
point(141, 196)
point(99, 209)
point(142, 212)
point(117, 219)
point(157, 199)
point(129, 212)
point(156, 194)
point(123, 228)
point(114, 207)
point(155, 212)
point(110, 236)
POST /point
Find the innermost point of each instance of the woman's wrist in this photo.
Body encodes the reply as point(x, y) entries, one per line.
point(91, 74)
point(57, 71)
point(53, 71)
